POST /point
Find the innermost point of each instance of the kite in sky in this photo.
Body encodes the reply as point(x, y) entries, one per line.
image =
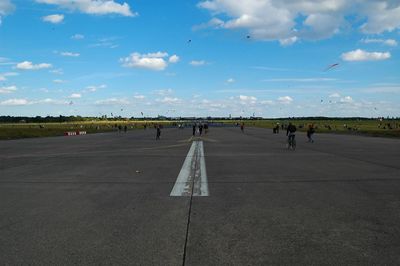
point(331, 66)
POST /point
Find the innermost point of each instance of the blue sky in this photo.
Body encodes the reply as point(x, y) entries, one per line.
point(265, 58)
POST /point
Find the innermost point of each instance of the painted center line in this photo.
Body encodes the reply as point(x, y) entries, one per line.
point(192, 179)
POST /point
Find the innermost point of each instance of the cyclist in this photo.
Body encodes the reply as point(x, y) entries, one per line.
point(290, 132)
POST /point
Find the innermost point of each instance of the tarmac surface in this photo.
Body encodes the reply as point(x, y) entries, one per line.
point(105, 199)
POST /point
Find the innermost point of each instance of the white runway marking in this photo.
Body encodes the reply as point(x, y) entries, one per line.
point(192, 179)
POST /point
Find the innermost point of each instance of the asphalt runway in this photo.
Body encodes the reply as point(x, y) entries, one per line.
point(105, 199)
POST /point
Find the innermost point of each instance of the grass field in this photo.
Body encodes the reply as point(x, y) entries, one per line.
point(385, 128)
point(32, 130)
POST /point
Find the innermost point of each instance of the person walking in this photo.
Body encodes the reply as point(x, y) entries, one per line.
point(158, 132)
point(310, 133)
point(194, 130)
point(242, 127)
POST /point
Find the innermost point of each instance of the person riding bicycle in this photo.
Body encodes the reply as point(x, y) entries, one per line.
point(290, 132)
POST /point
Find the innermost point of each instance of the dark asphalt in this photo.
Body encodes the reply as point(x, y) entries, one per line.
point(104, 199)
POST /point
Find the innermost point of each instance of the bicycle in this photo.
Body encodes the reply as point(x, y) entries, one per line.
point(291, 141)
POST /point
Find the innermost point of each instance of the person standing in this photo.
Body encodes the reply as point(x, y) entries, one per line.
point(200, 129)
point(242, 127)
point(194, 130)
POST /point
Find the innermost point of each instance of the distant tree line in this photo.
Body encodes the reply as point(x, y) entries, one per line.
point(65, 119)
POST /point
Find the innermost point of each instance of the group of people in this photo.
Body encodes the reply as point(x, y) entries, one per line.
point(291, 132)
point(198, 128)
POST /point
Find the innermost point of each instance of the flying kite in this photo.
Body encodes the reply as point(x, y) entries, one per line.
point(331, 66)
point(71, 103)
point(189, 41)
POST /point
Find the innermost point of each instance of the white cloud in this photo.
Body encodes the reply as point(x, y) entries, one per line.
point(6, 7)
point(361, 55)
point(55, 19)
point(173, 59)
point(59, 81)
point(288, 41)
point(75, 96)
point(153, 61)
point(93, 88)
point(93, 7)
point(139, 97)
point(230, 80)
point(8, 89)
point(58, 71)
point(197, 63)
point(382, 16)
point(27, 65)
point(334, 95)
point(346, 99)
point(285, 100)
point(70, 54)
point(163, 92)
point(299, 80)
point(78, 37)
point(112, 101)
point(389, 42)
point(169, 100)
point(50, 101)
point(244, 99)
point(12, 102)
point(4, 76)
point(290, 20)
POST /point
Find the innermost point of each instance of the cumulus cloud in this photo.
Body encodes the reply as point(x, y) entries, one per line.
point(389, 42)
point(244, 99)
point(288, 21)
point(55, 19)
point(197, 62)
point(230, 80)
point(93, 7)
point(6, 7)
point(152, 61)
point(361, 55)
point(8, 89)
point(173, 59)
point(70, 54)
point(346, 99)
point(27, 65)
point(15, 102)
point(285, 100)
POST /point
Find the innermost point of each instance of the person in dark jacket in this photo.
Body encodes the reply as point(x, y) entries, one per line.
point(290, 132)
